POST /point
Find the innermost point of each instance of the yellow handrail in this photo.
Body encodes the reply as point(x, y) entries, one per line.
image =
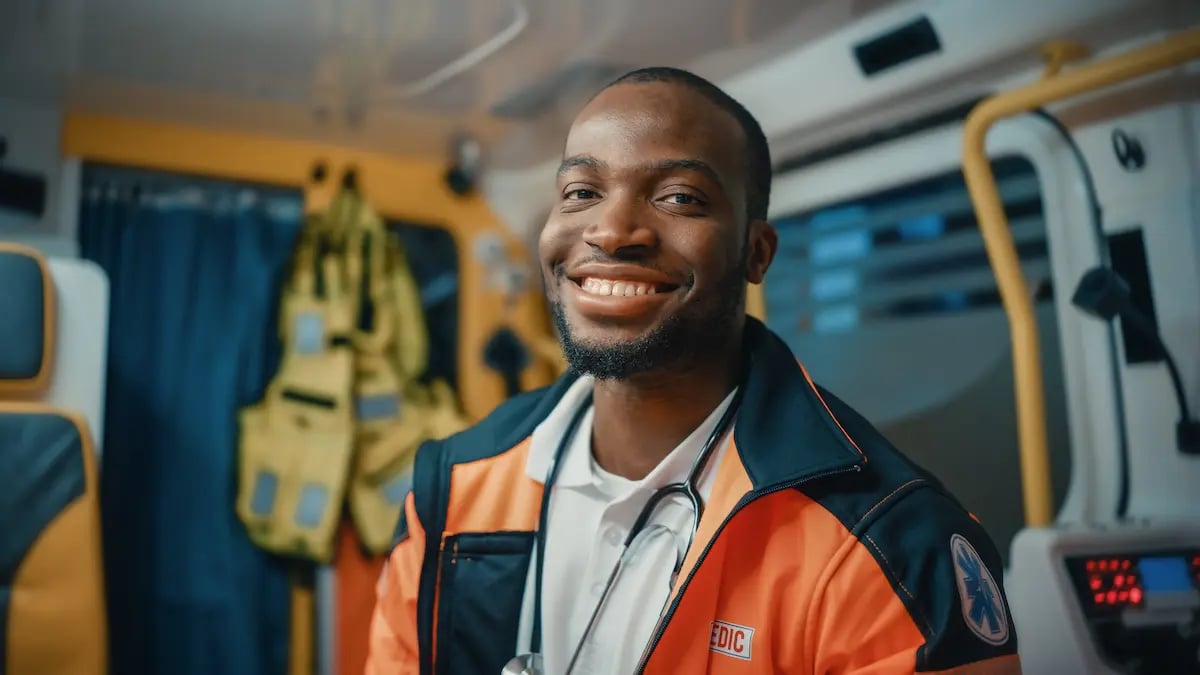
point(1014, 292)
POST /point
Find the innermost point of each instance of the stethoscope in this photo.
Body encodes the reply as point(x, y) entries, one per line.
point(531, 663)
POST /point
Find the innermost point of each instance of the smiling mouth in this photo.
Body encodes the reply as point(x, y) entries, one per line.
point(620, 287)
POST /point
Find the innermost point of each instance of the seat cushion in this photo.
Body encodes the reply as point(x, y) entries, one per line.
point(51, 582)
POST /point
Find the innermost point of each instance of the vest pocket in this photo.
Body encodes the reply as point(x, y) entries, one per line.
point(479, 603)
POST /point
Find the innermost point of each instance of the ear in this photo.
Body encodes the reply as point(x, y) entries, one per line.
point(761, 244)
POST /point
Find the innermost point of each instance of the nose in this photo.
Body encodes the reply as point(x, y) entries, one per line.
point(620, 228)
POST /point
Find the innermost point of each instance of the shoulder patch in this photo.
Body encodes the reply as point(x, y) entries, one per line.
point(979, 595)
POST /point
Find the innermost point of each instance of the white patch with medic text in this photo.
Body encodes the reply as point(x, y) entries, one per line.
point(979, 595)
point(731, 639)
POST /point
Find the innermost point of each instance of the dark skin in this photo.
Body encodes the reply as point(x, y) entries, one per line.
point(652, 190)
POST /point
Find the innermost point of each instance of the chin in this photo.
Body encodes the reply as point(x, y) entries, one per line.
point(617, 351)
point(616, 341)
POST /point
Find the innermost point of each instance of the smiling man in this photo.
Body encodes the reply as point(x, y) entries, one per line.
point(684, 499)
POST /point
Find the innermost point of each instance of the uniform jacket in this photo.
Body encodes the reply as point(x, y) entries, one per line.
point(822, 550)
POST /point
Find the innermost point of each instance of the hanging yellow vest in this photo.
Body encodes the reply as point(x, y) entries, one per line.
point(394, 411)
point(341, 421)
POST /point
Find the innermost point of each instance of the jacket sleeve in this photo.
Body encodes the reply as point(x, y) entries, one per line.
point(920, 590)
point(393, 639)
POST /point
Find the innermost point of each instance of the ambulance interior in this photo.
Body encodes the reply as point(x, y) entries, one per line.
point(989, 227)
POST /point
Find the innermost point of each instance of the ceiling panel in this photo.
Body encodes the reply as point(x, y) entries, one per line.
point(338, 70)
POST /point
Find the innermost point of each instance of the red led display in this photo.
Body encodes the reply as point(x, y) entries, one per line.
point(1114, 582)
point(1108, 586)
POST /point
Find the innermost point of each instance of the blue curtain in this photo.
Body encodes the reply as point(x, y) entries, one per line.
point(195, 268)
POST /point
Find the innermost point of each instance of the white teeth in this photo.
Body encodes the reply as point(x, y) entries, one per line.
point(626, 289)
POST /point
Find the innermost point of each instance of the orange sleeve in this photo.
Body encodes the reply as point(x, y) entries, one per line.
point(893, 605)
point(858, 624)
point(393, 639)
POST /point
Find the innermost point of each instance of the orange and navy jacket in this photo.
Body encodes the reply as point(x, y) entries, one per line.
point(822, 549)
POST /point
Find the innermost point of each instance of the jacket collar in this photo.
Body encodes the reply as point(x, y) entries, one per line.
point(784, 431)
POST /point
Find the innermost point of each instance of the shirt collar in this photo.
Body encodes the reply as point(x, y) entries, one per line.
point(543, 443)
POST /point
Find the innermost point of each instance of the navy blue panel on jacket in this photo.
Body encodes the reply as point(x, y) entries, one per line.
point(483, 582)
point(21, 306)
point(41, 473)
point(503, 428)
point(195, 268)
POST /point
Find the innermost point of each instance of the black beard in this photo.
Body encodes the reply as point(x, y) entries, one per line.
point(679, 341)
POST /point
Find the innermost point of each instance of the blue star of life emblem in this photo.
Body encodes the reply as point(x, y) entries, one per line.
point(982, 605)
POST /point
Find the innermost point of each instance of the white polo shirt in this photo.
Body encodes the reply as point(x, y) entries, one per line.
point(590, 514)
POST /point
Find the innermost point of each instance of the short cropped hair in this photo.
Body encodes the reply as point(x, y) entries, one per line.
point(758, 154)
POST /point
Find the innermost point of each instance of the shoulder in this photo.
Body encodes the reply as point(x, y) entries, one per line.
point(936, 556)
point(503, 428)
point(500, 431)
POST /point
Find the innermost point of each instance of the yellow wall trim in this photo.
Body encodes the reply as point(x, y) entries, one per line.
point(399, 188)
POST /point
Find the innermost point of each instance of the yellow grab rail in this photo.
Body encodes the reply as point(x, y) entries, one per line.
point(1014, 292)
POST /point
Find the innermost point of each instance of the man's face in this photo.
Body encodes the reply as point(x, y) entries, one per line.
point(646, 251)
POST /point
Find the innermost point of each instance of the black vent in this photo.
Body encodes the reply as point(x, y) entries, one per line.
point(898, 46)
point(22, 192)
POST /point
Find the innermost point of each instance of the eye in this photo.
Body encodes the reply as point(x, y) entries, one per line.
point(580, 194)
point(687, 201)
point(682, 199)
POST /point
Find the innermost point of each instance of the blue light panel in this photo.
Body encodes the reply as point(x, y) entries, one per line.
point(1164, 575)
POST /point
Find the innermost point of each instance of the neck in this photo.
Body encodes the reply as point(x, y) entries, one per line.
point(639, 420)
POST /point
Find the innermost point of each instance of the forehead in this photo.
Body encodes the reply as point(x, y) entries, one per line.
point(634, 123)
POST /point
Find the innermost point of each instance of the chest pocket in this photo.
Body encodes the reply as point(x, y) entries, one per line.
point(479, 603)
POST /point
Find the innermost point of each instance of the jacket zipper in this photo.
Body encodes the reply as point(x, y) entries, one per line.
point(741, 504)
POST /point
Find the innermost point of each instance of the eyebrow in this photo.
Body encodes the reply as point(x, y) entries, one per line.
point(585, 161)
point(689, 165)
point(589, 162)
